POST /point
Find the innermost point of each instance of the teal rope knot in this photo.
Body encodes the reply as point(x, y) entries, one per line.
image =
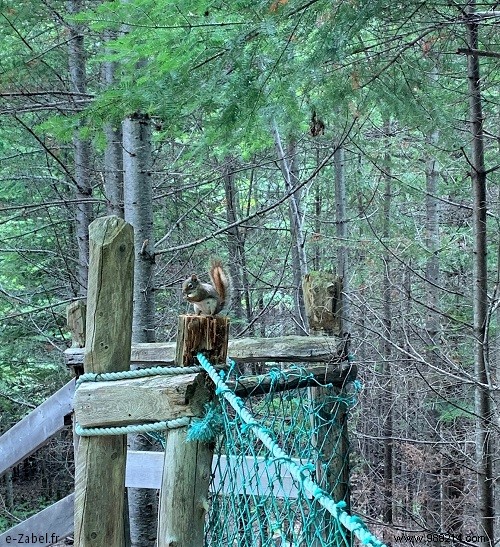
point(208, 428)
point(304, 472)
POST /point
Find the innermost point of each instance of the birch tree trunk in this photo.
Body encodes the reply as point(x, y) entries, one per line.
point(483, 397)
point(83, 190)
point(139, 212)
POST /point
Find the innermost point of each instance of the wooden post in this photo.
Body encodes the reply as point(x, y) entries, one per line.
point(76, 317)
point(187, 465)
point(100, 461)
point(203, 333)
point(322, 300)
point(322, 296)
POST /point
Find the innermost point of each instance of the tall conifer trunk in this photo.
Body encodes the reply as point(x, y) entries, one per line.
point(342, 235)
point(433, 475)
point(236, 246)
point(288, 164)
point(113, 155)
point(83, 190)
point(483, 397)
point(387, 430)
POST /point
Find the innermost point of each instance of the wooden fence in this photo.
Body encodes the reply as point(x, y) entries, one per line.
point(144, 469)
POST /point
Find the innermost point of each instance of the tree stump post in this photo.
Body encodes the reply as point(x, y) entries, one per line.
point(188, 465)
point(76, 314)
point(323, 302)
point(100, 461)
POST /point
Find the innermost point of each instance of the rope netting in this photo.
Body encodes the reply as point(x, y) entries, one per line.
point(281, 473)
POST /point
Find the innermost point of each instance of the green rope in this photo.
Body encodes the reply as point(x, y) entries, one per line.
point(300, 473)
point(134, 428)
point(136, 373)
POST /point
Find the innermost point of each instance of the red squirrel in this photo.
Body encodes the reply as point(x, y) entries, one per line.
point(208, 298)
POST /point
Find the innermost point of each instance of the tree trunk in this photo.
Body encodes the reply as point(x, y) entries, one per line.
point(342, 236)
point(483, 400)
point(387, 430)
point(83, 190)
point(113, 155)
point(235, 241)
point(139, 212)
point(433, 508)
point(113, 171)
point(289, 169)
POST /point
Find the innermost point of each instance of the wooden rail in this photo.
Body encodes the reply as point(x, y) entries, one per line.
point(37, 428)
point(144, 470)
point(108, 349)
point(284, 349)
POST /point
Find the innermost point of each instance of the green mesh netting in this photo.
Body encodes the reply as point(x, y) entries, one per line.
point(255, 499)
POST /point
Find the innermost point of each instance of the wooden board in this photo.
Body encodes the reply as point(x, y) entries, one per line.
point(45, 528)
point(144, 470)
point(285, 349)
point(311, 375)
point(36, 428)
point(141, 400)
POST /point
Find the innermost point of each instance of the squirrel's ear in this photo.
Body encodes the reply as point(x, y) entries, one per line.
point(194, 277)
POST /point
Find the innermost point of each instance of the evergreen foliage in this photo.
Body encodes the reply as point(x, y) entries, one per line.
point(214, 78)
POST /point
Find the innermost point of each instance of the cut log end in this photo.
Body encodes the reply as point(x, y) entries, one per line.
point(202, 333)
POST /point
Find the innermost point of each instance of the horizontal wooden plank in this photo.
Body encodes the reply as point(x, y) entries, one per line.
point(141, 400)
point(37, 428)
point(144, 469)
point(311, 349)
point(253, 476)
point(286, 349)
point(250, 475)
point(312, 375)
point(45, 528)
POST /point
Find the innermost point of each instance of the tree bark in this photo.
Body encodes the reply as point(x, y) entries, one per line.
point(483, 397)
point(139, 212)
point(434, 511)
point(235, 243)
point(289, 169)
point(83, 190)
point(342, 235)
point(387, 430)
point(113, 155)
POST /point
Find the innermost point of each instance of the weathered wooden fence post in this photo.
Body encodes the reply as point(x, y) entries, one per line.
point(188, 465)
point(100, 461)
point(323, 303)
